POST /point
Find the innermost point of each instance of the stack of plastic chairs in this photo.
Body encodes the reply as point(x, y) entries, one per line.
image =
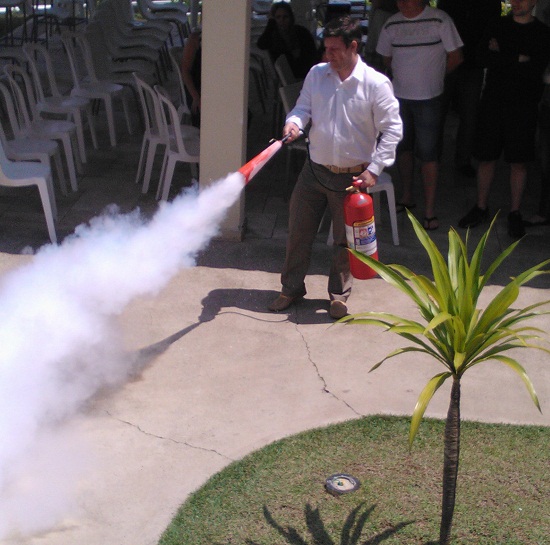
point(86, 83)
point(32, 125)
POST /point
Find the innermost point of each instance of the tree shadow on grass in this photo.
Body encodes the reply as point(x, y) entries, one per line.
point(350, 534)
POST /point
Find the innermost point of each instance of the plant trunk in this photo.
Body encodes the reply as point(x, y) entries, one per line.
point(450, 463)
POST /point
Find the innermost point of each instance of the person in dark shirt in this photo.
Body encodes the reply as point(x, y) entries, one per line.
point(515, 51)
point(282, 36)
point(463, 86)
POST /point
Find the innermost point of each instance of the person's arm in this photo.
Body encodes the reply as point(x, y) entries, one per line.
point(189, 52)
point(298, 118)
point(454, 58)
point(390, 128)
point(387, 66)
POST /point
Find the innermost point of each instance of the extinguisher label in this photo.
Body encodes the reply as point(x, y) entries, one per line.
point(362, 236)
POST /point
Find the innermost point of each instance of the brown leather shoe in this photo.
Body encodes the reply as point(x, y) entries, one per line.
point(338, 309)
point(282, 303)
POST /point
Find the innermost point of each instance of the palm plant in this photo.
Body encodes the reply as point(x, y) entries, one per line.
point(455, 332)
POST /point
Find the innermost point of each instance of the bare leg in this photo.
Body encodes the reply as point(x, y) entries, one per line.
point(518, 175)
point(429, 179)
point(405, 164)
point(485, 174)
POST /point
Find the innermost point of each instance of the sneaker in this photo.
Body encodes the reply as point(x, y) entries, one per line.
point(516, 229)
point(474, 217)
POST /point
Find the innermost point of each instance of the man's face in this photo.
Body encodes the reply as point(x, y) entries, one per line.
point(410, 8)
point(337, 54)
point(521, 8)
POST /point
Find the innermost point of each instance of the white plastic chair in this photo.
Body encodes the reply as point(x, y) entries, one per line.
point(125, 10)
point(174, 12)
point(184, 111)
point(153, 136)
point(29, 148)
point(181, 146)
point(32, 125)
point(24, 174)
point(88, 85)
point(284, 72)
point(56, 103)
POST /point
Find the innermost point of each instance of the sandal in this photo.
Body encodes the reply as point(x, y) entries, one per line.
point(431, 224)
point(401, 206)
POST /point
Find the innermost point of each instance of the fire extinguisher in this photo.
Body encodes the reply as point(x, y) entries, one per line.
point(360, 230)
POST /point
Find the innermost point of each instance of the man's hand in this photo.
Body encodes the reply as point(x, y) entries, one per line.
point(292, 131)
point(367, 179)
point(493, 45)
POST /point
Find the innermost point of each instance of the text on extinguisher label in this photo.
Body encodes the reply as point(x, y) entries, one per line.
point(361, 236)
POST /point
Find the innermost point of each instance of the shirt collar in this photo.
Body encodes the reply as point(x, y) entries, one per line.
point(356, 73)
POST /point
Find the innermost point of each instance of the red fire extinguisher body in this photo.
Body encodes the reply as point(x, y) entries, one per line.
point(360, 232)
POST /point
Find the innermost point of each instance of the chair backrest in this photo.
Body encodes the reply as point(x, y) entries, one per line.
point(23, 94)
point(10, 108)
point(37, 55)
point(284, 72)
point(150, 105)
point(175, 59)
point(80, 57)
point(289, 95)
point(172, 125)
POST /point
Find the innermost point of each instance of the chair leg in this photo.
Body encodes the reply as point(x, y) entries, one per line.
point(110, 120)
point(126, 113)
point(162, 177)
point(91, 125)
point(80, 135)
point(139, 173)
point(60, 172)
point(168, 175)
point(149, 162)
point(47, 205)
point(69, 157)
point(390, 194)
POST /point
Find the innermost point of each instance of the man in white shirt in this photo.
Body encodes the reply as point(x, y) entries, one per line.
point(420, 45)
point(355, 128)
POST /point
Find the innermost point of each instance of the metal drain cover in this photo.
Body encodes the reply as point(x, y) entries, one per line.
point(341, 483)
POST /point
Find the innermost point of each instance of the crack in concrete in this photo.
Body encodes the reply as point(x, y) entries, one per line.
point(321, 378)
point(185, 443)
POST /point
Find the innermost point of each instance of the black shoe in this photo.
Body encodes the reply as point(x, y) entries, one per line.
point(474, 217)
point(516, 228)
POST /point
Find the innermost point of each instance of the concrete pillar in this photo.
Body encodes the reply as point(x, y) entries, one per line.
point(224, 97)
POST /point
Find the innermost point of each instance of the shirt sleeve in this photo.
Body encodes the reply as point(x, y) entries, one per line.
point(389, 125)
point(450, 36)
point(384, 47)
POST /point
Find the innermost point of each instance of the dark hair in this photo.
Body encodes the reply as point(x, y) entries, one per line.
point(285, 6)
point(346, 27)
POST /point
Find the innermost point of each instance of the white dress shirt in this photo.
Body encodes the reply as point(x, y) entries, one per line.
point(348, 117)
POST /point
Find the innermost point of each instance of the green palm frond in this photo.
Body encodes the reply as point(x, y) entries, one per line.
point(451, 328)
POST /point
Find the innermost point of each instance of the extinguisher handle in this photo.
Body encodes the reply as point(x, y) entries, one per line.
point(355, 187)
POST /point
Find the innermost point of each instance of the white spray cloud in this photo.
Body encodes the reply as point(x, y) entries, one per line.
point(57, 345)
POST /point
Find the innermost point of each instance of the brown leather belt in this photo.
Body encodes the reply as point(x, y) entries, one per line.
point(357, 169)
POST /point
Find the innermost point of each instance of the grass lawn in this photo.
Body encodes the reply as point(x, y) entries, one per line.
point(276, 496)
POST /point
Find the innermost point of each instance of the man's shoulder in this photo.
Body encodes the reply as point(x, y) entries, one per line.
point(370, 75)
